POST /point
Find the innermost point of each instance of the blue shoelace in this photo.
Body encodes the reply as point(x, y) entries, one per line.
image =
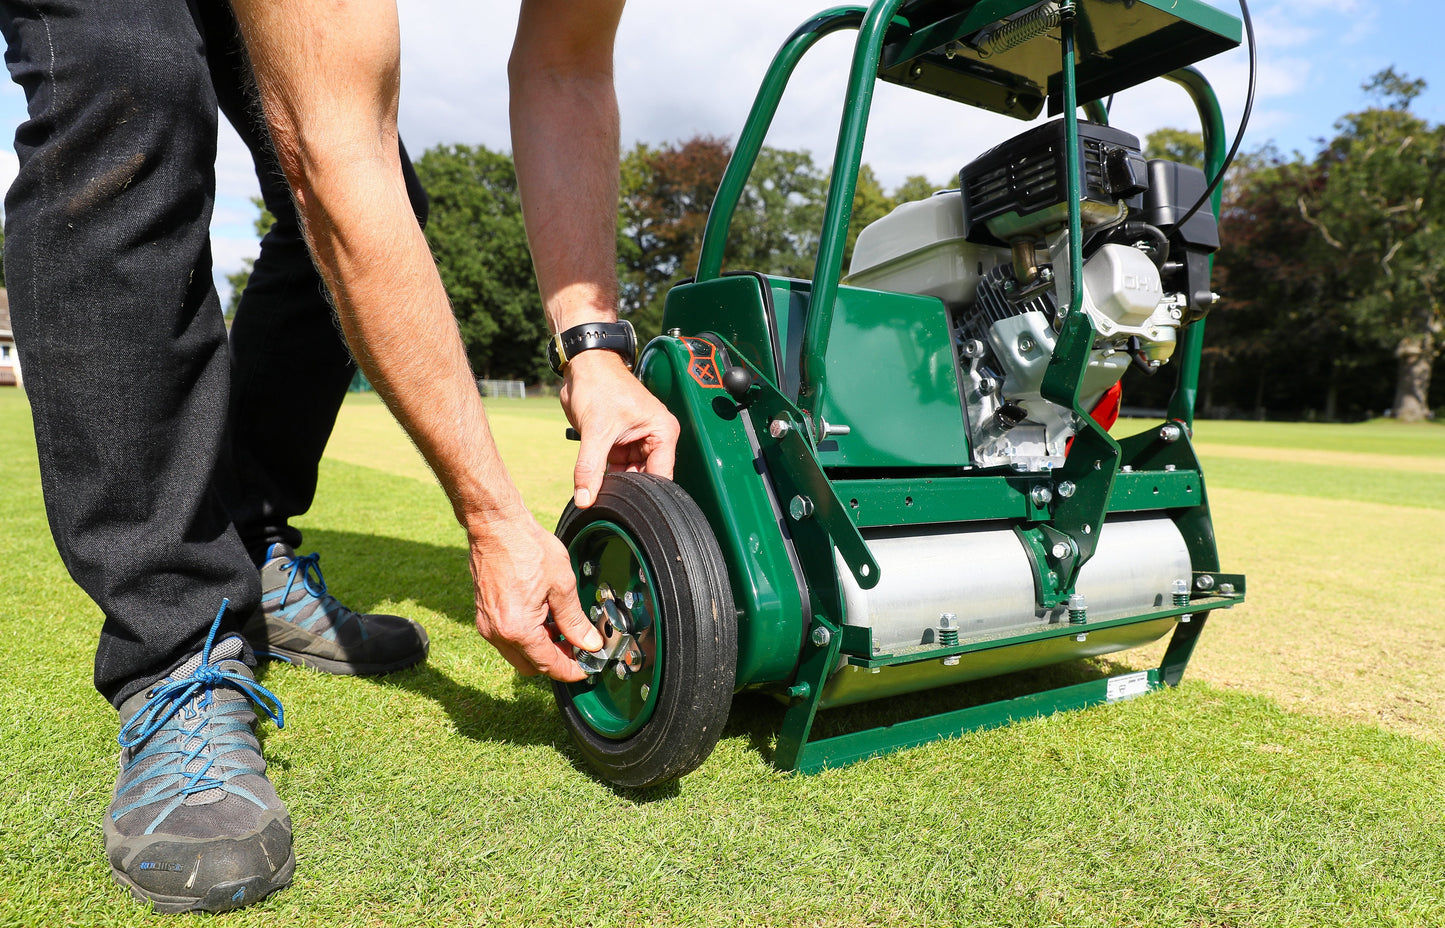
point(165, 716)
point(308, 568)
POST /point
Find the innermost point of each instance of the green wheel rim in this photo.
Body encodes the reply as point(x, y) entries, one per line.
point(602, 553)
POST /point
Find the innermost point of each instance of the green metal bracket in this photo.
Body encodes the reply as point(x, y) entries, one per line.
point(820, 656)
point(841, 750)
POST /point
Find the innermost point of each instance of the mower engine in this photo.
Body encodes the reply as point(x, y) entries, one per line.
point(996, 251)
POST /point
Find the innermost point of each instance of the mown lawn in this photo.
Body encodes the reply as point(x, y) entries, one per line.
point(1297, 778)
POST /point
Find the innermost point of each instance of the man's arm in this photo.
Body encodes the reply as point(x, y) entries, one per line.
point(329, 80)
point(565, 141)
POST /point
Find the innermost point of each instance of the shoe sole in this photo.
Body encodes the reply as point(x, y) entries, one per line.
point(223, 897)
point(340, 668)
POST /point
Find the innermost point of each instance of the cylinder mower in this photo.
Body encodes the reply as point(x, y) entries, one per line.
point(902, 478)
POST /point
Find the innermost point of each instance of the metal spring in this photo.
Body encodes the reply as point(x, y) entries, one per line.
point(1026, 28)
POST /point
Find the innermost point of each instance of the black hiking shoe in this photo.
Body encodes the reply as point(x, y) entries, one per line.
point(301, 623)
point(195, 824)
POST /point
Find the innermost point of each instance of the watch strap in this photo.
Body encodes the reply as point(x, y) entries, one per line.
point(611, 336)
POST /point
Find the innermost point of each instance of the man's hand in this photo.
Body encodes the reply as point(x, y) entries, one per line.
point(523, 575)
point(623, 427)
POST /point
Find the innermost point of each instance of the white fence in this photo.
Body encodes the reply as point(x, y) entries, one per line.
point(508, 389)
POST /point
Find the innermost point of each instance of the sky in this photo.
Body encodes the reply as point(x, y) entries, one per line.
point(689, 67)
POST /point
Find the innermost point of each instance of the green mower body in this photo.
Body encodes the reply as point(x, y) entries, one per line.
point(893, 481)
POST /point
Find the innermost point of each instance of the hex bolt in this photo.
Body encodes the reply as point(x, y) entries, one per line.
point(1067, 488)
point(779, 427)
point(951, 660)
point(1083, 637)
point(587, 568)
point(1041, 495)
point(800, 508)
point(629, 599)
point(646, 690)
point(620, 669)
point(821, 636)
point(1204, 582)
point(1061, 550)
point(1227, 589)
point(1181, 592)
point(1078, 609)
point(973, 348)
point(987, 386)
point(948, 630)
point(1026, 344)
point(604, 591)
point(675, 333)
point(1046, 274)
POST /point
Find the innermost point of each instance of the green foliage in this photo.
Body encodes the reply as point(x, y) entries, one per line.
point(262, 224)
point(666, 192)
point(1176, 145)
point(918, 187)
point(1380, 218)
point(479, 241)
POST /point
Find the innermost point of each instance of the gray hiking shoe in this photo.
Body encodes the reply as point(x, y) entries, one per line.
point(195, 824)
point(301, 623)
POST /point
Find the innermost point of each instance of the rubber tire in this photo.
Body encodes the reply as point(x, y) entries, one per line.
point(699, 632)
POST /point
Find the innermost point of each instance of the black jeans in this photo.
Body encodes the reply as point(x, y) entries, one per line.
point(127, 363)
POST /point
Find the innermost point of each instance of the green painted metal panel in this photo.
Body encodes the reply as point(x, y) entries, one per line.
point(734, 307)
point(716, 464)
point(880, 502)
point(892, 377)
point(1156, 489)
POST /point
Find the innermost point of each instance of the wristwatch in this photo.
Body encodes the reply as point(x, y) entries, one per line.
point(612, 336)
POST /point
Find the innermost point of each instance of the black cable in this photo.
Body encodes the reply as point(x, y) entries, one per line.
point(1243, 120)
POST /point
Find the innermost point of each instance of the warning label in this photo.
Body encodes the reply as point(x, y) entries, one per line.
point(1130, 684)
point(703, 362)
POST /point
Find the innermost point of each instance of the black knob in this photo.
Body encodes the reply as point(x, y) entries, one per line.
point(737, 381)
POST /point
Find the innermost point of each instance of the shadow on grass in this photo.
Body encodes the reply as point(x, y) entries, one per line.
point(370, 570)
point(759, 717)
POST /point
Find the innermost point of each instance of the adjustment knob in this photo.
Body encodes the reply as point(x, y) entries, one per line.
point(737, 381)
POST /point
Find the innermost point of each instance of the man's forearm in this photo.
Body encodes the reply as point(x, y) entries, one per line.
point(565, 143)
point(330, 96)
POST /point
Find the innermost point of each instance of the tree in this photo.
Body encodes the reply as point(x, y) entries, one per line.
point(1380, 219)
point(918, 187)
point(263, 223)
point(477, 237)
point(666, 193)
point(1175, 145)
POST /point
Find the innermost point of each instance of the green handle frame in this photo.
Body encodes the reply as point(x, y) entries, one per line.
point(873, 24)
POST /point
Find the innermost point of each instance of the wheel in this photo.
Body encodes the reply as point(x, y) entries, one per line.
point(651, 575)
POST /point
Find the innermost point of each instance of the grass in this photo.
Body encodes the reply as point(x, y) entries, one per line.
point(1295, 779)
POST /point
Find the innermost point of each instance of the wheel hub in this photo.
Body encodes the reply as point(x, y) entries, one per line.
point(622, 632)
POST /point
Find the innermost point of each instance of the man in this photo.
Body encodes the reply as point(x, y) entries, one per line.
point(113, 164)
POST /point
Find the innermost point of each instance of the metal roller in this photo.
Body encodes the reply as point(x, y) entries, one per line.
point(983, 576)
